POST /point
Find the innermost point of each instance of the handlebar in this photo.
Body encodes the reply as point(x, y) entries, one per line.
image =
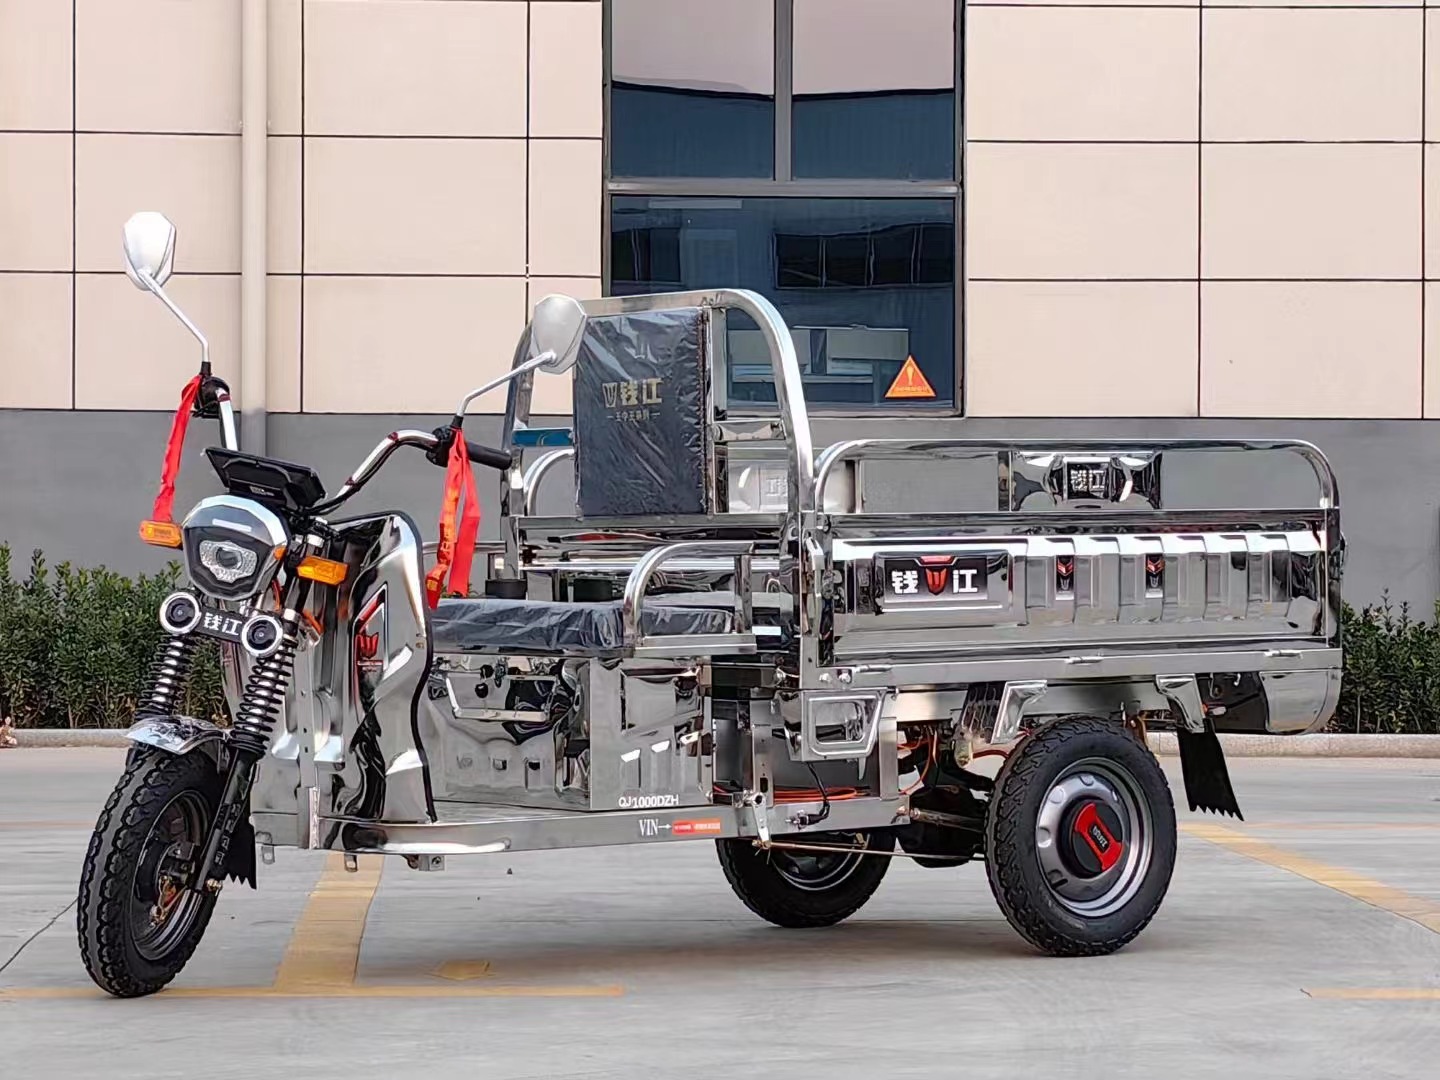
point(435, 444)
point(487, 455)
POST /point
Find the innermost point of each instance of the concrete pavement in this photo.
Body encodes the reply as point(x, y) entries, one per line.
point(1303, 943)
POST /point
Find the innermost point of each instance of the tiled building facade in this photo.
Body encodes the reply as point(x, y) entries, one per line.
point(1167, 218)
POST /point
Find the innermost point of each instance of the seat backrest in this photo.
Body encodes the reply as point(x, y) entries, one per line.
point(641, 407)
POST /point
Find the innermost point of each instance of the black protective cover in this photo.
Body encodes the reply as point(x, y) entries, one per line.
point(546, 626)
point(640, 424)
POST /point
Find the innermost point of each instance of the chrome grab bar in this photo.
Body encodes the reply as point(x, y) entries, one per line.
point(850, 449)
point(530, 484)
point(632, 606)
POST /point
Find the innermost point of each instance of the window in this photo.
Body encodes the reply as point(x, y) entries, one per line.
point(692, 88)
point(874, 89)
point(806, 149)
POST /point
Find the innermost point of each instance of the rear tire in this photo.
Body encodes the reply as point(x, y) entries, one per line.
point(136, 929)
point(1080, 838)
point(802, 889)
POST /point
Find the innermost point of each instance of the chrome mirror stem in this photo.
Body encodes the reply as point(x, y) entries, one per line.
point(514, 373)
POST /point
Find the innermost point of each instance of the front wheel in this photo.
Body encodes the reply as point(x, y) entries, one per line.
point(799, 889)
point(138, 923)
point(1080, 839)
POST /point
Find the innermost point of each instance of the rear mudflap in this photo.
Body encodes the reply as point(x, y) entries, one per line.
point(1207, 779)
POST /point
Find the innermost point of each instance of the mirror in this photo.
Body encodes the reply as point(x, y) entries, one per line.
point(556, 328)
point(149, 249)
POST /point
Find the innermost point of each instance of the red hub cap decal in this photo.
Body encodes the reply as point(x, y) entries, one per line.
point(1099, 839)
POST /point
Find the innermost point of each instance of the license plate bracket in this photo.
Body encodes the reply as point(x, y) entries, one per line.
point(220, 625)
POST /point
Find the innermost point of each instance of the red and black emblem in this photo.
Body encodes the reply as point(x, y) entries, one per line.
point(1154, 571)
point(937, 572)
point(1065, 573)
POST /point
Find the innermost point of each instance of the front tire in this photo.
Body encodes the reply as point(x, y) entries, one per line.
point(1080, 838)
point(137, 927)
point(805, 889)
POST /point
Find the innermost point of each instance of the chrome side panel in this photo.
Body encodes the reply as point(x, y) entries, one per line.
point(573, 734)
point(348, 742)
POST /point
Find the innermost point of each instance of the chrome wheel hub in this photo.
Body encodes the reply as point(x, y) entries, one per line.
point(1094, 837)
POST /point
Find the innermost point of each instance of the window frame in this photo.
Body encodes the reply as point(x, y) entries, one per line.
point(785, 185)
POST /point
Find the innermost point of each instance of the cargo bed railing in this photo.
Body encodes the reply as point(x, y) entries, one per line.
point(1121, 475)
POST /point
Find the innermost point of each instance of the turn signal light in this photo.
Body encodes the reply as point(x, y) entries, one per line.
point(160, 533)
point(325, 571)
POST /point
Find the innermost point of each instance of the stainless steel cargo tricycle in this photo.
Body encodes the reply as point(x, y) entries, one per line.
point(725, 638)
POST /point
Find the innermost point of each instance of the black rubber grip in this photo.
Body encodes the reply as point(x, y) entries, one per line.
point(486, 455)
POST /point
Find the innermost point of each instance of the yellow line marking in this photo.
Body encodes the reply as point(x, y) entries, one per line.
point(46, 993)
point(1414, 993)
point(1417, 909)
point(324, 948)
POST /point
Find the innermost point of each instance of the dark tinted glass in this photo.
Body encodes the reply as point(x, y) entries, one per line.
point(863, 283)
point(874, 84)
point(692, 88)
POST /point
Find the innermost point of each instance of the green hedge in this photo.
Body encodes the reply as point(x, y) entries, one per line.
point(1392, 672)
point(75, 646)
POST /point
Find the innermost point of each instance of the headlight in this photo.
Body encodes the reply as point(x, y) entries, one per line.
point(233, 547)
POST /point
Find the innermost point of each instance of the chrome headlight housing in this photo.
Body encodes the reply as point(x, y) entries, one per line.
point(233, 547)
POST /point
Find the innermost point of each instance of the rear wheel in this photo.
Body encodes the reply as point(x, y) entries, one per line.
point(138, 923)
point(1080, 841)
point(801, 889)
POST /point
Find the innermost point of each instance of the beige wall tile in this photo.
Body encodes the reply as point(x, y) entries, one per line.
point(415, 206)
point(284, 61)
point(35, 64)
point(1432, 350)
point(157, 65)
point(393, 67)
point(1081, 73)
point(552, 392)
point(1432, 211)
point(1311, 211)
point(369, 339)
point(35, 196)
point(282, 344)
point(192, 180)
point(1315, 75)
point(1081, 349)
point(566, 80)
point(130, 353)
point(1081, 211)
point(1327, 349)
point(1315, 3)
point(565, 207)
point(35, 359)
point(1432, 78)
point(283, 244)
point(1088, 3)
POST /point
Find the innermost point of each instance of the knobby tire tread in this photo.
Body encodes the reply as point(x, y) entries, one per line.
point(1007, 830)
point(762, 889)
point(109, 867)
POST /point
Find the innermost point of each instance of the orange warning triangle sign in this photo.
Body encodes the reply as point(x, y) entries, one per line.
point(910, 382)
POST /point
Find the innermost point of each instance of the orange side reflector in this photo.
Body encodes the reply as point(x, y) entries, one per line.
point(325, 571)
point(160, 533)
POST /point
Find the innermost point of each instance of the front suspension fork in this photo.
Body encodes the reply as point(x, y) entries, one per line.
point(260, 706)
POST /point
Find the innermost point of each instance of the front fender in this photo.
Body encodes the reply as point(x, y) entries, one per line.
point(178, 734)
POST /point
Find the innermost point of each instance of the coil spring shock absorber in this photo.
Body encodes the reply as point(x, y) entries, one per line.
point(264, 695)
point(169, 672)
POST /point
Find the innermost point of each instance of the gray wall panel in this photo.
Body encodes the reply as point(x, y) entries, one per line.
point(77, 483)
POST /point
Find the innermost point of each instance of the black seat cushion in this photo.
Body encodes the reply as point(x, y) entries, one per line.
point(545, 626)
